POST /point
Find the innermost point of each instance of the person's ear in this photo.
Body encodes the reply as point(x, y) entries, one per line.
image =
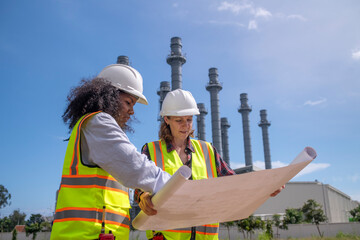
point(166, 120)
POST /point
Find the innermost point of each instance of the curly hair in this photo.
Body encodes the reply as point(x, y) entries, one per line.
point(92, 95)
point(165, 132)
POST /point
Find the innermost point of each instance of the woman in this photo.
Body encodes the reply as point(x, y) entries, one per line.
point(176, 149)
point(100, 161)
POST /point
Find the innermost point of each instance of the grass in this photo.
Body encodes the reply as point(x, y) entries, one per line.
point(340, 235)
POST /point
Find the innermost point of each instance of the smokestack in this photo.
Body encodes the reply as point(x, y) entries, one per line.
point(264, 124)
point(201, 121)
point(245, 109)
point(176, 60)
point(225, 139)
point(164, 89)
point(214, 88)
point(123, 60)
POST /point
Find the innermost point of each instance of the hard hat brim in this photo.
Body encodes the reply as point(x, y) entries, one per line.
point(140, 97)
point(180, 113)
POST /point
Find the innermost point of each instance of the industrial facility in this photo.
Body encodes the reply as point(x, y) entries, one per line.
point(336, 205)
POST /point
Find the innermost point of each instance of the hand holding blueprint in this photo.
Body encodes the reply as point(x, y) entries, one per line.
point(183, 203)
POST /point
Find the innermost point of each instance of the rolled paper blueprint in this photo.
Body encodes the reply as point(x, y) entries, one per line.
point(182, 203)
point(307, 154)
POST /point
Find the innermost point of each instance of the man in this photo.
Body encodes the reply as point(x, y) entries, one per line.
point(100, 161)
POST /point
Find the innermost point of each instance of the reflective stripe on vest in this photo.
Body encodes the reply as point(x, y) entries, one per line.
point(209, 158)
point(203, 161)
point(92, 214)
point(208, 229)
point(83, 193)
point(88, 181)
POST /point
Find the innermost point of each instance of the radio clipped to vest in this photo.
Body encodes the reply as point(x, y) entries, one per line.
point(103, 235)
point(158, 236)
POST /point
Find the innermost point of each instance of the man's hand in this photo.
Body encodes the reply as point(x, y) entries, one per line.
point(277, 191)
point(146, 205)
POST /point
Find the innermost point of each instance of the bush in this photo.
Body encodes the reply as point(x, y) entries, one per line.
point(264, 236)
point(342, 235)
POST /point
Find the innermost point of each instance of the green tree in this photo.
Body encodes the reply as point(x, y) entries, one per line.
point(35, 218)
point(5, 197)
point(293, 216)
point(279, 224)
point(314, 214)
point(228, 225)
point(33, 225)
point(33, 229)
point(243, 226)
point(249, 225)
point(45, 226)
point(268, 228)
point(5, 224)
point(14, 234)
point(16, 218)
point(355, 214)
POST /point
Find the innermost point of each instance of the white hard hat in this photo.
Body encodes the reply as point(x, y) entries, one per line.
point(179, 103)
point(126, 79)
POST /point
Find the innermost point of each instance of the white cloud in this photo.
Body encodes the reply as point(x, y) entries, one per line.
point(175, 5)
point(274, 164)
point(252, 25)
point(313, 103)
point(313, 167)
point(237, 8)
point(356, 55)
point(297, 17)
point(261, 12)
point(230, 23)
point(233, 7)
point(278, 164)
point(237, 165)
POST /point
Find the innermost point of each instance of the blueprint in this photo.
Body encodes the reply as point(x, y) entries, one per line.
point(184, 203)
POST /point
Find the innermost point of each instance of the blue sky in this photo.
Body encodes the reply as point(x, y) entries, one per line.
point(299, 60)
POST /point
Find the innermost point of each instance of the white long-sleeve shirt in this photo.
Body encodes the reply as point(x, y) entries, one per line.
point(105, 144)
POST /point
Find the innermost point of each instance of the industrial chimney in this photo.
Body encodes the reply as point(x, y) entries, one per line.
point(176, 60)
point(214, 88)
point(164, 89)
point(225, 139)
point(264, 124)
point(245, 109)
point(201, 121)
point(123, 60)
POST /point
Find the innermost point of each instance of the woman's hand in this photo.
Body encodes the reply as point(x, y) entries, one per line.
point(146, 205)
point(277, 191)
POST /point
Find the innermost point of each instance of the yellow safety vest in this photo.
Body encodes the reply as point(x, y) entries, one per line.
point(202, 167)
point(84, 190)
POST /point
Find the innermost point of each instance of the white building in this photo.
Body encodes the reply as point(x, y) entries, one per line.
point(336, 204)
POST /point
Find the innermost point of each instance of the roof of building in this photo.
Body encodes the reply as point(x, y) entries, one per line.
point(325, 185)
point(20, 228)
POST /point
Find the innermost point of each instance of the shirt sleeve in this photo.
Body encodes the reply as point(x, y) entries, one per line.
point(109, 148)
point(138, 192)
point(222, 168)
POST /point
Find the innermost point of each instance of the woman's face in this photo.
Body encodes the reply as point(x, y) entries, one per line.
point(180, 126)
point(127, 103)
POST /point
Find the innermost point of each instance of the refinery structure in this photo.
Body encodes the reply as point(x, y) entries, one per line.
point(336, 204)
